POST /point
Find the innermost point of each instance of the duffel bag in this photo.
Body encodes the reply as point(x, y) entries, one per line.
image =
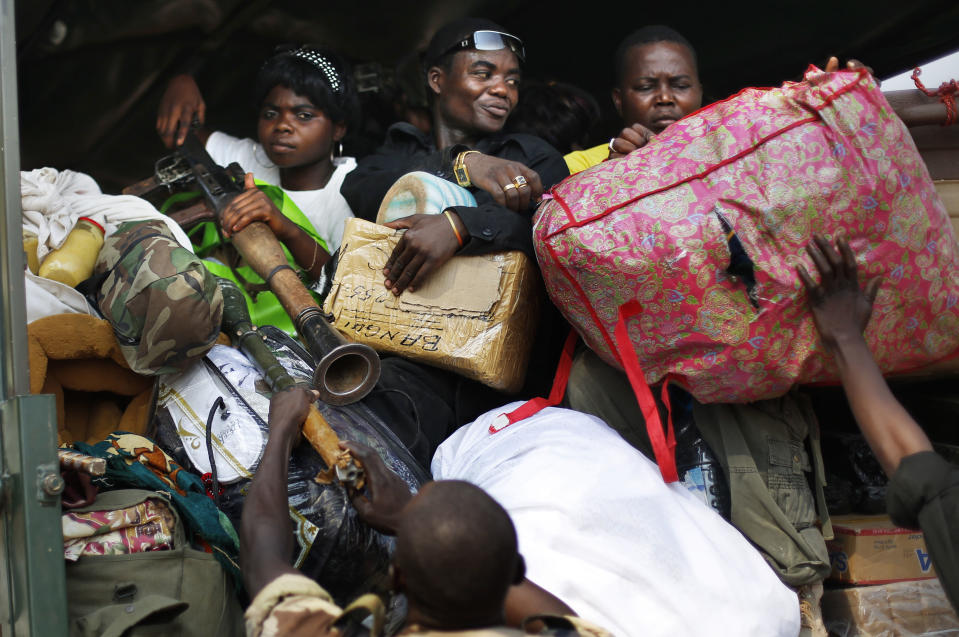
point(646, 245)
point(114, 590)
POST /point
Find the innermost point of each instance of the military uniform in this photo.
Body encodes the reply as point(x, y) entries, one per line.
point(163, 304)
point(924, 493)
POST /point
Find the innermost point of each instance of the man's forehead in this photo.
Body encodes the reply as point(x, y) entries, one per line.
point(660, 57)
point(501, 59)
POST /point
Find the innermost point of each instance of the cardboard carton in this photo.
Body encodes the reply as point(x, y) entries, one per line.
point(872, 550)
point(900, 609)
point(475, 315)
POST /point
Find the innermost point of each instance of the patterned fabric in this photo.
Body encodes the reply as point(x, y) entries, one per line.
point(163, 305)
point(135, 461)
point(826, 155)
point(147, 526)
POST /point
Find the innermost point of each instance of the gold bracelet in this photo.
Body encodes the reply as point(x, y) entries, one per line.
point(449, 218)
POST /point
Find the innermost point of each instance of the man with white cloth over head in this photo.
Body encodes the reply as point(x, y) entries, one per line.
point(601, 530)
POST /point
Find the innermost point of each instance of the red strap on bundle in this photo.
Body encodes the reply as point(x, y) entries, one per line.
point(556, 394)
point(664, 443)
point(946, 93)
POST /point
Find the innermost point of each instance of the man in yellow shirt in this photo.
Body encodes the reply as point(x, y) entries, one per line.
point(657, 84)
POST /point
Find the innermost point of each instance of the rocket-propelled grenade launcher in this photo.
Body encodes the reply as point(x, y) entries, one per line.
point(236, 323)
point(345, 371)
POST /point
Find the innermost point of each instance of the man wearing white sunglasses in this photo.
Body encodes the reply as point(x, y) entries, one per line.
point(473, 73)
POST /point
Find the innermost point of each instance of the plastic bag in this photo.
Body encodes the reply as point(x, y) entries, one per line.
point(334, 547)
point(856, 482)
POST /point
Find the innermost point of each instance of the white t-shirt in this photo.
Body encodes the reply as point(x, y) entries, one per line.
point(326, 208)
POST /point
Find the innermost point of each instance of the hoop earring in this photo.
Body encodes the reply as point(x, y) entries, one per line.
point(339, 149)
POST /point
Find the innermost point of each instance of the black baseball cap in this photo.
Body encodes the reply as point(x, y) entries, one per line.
point(478, 33)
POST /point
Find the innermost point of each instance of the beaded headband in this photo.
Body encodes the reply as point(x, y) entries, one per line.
point(319, 61)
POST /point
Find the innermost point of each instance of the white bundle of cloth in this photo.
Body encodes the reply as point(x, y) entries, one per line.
point(52, 201)
point(600, 529)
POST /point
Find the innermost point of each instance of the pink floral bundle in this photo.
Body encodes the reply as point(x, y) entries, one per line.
point(646, 240)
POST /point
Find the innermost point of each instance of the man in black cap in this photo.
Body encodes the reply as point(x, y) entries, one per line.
point(473, 73)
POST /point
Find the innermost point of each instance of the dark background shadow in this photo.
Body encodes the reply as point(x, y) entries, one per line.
point(92, 71)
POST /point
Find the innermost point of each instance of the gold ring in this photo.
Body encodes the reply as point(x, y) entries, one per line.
point(508, 187)
point(520, 181)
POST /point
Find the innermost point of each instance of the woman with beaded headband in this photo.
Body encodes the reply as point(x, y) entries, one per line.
point(305, 98)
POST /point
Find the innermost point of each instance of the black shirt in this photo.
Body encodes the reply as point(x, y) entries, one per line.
point(924, 493)
point(492, 227)
point(425, 404)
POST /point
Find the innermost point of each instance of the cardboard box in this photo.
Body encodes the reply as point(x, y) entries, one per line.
point(475, 315)
point(872, 550)
point(901, 609)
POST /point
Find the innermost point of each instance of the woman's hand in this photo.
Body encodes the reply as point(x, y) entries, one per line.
point(510, 183)
point(253, 205)
point(180, 105)
point(428, 243)
point(628, 140)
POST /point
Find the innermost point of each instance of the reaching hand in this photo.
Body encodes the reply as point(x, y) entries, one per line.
point(427, 244)
point(629, 139)
point(840, 308)
point(253, 205)
point(832, 65)
point(388, 494)
point(180, 105)
point(288, 408)
point(511, 184)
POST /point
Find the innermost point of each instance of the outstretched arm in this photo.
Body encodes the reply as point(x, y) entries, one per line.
point(841, 310)
point(180, 106)
point(266, 532)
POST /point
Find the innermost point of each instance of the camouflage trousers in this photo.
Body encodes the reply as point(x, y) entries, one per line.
point(769, 451)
